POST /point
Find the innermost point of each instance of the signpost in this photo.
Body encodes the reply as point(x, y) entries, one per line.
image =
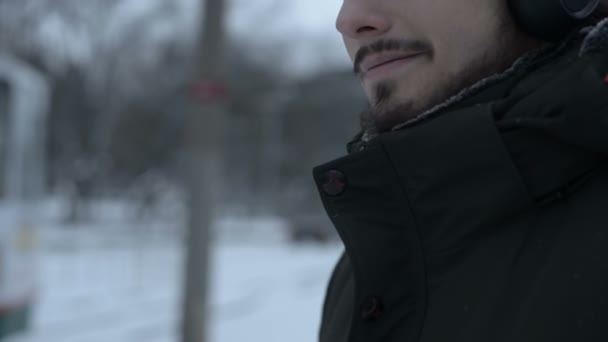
point(203, 168)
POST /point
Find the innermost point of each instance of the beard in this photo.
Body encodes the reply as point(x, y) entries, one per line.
point(386, 110)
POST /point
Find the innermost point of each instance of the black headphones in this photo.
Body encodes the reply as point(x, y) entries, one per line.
point(551, 20)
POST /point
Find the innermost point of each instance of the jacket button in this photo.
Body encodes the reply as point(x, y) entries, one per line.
point(333, 183)
point(372, 309)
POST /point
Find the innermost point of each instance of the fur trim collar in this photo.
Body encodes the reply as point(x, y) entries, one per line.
point(596, 39)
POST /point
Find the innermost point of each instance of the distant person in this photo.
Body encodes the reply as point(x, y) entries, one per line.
point(473, 205)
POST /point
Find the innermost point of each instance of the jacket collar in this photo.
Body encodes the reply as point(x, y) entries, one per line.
point(457, 176)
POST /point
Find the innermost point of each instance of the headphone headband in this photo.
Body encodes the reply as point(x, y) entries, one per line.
point(551, 20)
point(580, 9)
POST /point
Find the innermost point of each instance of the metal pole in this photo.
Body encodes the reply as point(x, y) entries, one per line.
point(204, 158)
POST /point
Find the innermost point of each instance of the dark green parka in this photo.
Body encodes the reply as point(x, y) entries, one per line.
point(486, 222)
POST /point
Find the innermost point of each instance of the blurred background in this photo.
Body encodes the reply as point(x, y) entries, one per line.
point(155, 168)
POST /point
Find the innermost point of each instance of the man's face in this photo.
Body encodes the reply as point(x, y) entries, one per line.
point(413, 54)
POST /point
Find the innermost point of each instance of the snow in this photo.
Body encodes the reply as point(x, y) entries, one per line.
point(127, 288)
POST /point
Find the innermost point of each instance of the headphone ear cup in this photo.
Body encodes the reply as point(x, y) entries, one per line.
point(551, 20)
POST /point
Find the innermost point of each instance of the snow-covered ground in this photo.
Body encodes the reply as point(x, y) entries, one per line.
point(98, 286)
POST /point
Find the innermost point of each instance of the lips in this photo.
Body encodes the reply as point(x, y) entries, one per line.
point(379, 60)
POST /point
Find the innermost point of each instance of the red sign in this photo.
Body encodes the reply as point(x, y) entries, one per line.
point(208, 90)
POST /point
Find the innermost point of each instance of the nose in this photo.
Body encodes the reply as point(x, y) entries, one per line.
point(360, 19)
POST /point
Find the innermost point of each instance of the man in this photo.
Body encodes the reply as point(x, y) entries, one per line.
point(473, 206)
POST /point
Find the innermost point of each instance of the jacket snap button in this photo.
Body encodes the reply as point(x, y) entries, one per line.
point(333, 183)
point(372, 309)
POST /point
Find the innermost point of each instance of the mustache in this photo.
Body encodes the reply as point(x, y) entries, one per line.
point(388, 45)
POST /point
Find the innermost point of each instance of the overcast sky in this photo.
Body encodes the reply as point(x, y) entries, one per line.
point(307, 26)
point(303, 29)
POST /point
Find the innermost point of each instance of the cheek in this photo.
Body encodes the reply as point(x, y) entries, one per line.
point(459, 40)
point(468, 33)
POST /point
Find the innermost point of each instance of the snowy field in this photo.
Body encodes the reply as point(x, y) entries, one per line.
point(96, 286)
